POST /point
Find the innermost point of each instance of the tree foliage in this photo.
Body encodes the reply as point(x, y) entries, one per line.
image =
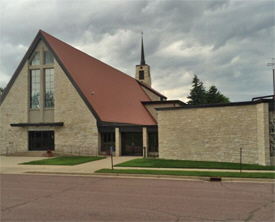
point(214, 96)
point(198, 94)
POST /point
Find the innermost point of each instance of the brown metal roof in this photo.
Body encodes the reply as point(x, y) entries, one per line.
point(114, 96)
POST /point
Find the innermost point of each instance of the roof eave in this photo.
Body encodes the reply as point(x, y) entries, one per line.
point(152, 90)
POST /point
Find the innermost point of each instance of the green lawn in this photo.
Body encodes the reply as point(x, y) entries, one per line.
point(190, 173)
point(65, 160)
point(161, 163)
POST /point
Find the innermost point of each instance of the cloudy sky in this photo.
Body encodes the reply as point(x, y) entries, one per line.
point(225, 43)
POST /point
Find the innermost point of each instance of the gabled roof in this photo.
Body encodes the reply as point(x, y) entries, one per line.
point(112, 96)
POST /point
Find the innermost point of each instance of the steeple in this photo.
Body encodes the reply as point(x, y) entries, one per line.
point(142, 59)
point(143, 70)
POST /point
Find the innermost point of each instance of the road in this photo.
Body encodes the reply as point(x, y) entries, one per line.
point(76, 198)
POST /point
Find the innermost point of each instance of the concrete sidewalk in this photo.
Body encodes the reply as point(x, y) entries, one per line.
point(11, 165)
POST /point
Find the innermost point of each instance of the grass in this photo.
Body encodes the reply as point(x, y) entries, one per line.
point(161, 163)
point(190, 173)
point(65, 160)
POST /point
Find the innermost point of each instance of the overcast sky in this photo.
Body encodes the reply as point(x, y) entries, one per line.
point(225, 43)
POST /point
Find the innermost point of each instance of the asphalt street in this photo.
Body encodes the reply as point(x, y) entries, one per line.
point(78, 198)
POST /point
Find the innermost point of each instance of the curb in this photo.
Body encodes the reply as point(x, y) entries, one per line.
point(146, 176)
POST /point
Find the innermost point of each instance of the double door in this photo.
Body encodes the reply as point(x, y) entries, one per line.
point(132, 144)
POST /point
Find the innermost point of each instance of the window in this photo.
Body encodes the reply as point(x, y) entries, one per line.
point(49, 88)
point(41, 72)
point(153, 142)
point(36, 59)
point(35, 89)
point(107, 140)
point(48, 58)
point(141, 74)
point(41, 140)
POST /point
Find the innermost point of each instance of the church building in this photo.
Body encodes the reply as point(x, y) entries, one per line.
point(64, 100)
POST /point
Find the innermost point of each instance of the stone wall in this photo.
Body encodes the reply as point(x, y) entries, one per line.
point(80, 132)
point(215, 133)
point(14, 109)
point(263, 134)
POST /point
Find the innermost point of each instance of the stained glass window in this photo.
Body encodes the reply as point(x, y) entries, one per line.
point(48, 58)
point(49, 88)
point(36, 59)
point(35, 89)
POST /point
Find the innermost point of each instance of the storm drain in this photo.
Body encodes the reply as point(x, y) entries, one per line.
point(215, 179)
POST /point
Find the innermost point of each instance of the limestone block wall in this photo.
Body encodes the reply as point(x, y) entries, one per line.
point(215, 133)
point(14, 109)
point(263, 134)
point(80, 132)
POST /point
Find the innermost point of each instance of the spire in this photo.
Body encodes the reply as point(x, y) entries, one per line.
point(142, 60)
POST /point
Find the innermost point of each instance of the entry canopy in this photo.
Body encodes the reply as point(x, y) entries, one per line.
point(36, 124)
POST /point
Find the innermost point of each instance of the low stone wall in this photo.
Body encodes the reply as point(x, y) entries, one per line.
point(216, 133)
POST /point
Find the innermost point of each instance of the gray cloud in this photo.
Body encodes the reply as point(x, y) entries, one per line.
point(226, 43)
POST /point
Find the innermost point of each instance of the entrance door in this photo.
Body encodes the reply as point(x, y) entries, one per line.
point(132, 144)
point(41, 140)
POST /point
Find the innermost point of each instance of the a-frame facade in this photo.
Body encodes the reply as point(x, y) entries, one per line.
point(64, 100)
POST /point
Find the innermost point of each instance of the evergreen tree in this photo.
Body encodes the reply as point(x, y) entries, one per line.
point(214, 96)
point(197, 93)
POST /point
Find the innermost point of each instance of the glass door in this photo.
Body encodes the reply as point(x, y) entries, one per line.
point(132, 144)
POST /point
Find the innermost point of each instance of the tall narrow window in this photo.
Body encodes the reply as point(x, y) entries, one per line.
point(153, 142)
point(49, 88)
point(48, 58)
point(107, 141)
point(141, 74)
point(35, 89)
point(36, 59)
